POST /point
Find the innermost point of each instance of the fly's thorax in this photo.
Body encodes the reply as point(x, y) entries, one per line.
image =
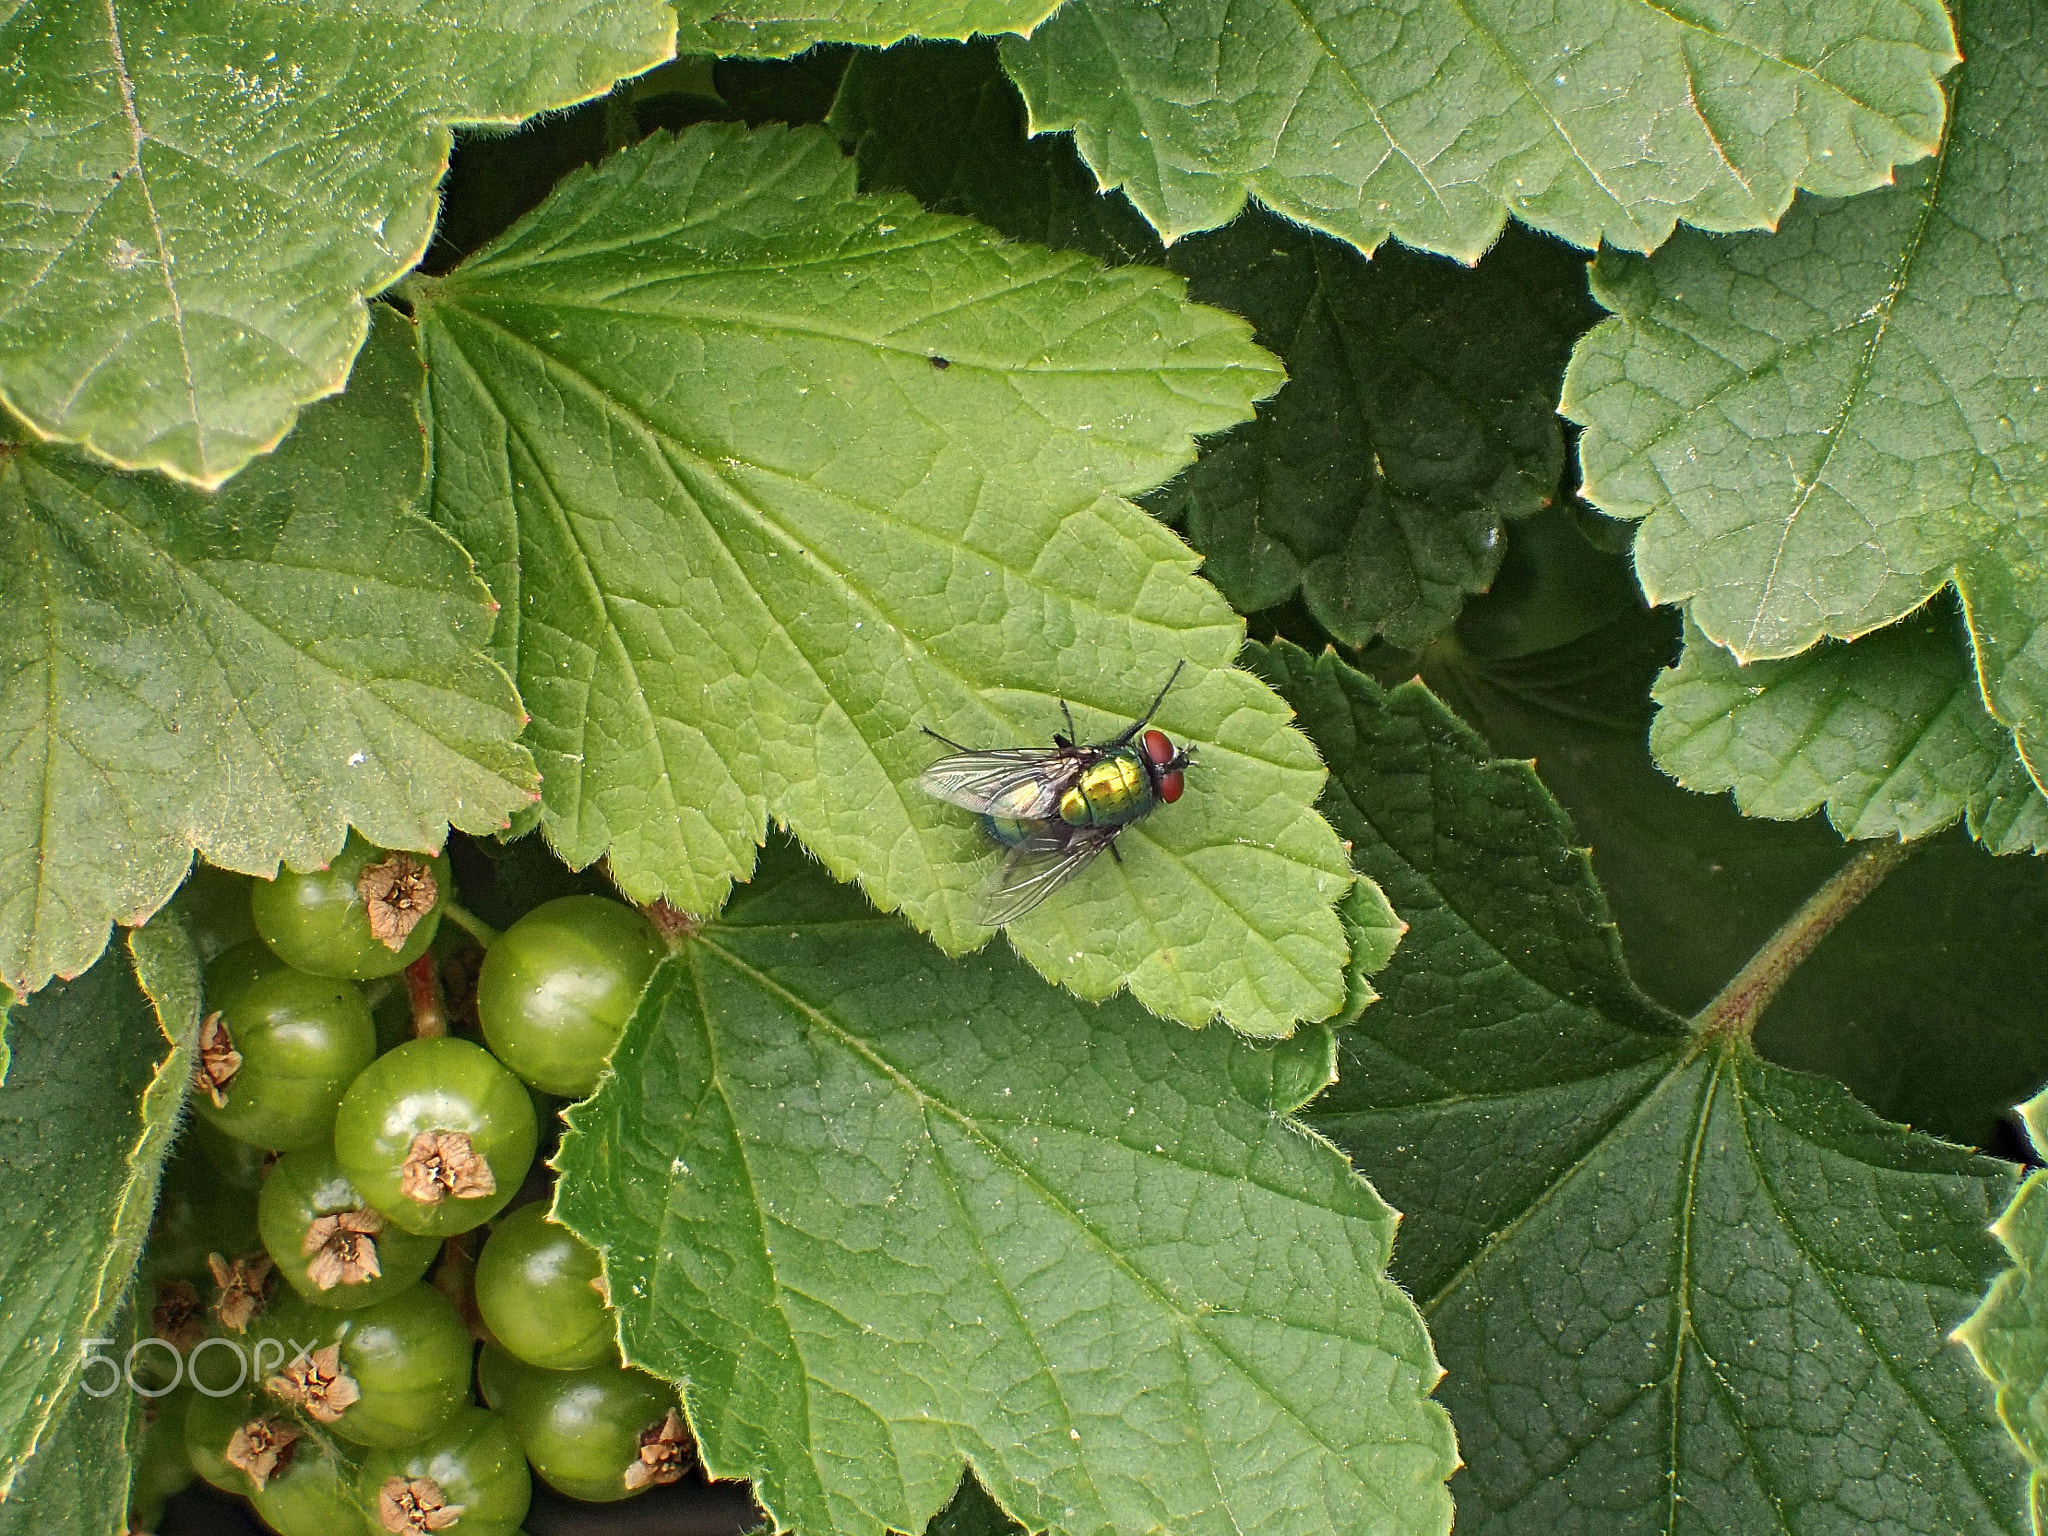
point(1109, 792)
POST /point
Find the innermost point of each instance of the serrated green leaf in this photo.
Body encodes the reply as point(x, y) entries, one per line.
point(78, 1481)
point(1890, 734)
point(1676, 1288)
point(751, 539)
point(1372, 928)
point(1434, 121)
point(1826, 426)
point(2008, 1334)
point(1420, 409)
point(246, 674)
point(883, 1213)
point(778, 30)
point(99, 1071)
point(199, 196)
point(1420, 414)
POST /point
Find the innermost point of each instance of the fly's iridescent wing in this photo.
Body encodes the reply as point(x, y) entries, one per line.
point(1024, 782)
point(1038, 866)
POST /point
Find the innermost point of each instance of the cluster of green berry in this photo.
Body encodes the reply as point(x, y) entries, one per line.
point(345, 1140)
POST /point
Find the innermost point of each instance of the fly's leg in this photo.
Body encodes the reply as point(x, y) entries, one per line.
point(1113, 853)
point(949, 741)
point(1137, 725)
point(1072, 734)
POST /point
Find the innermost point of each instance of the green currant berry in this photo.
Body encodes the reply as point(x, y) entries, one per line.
point(495, 1373)
point(602, 1433)
point(540, 1290)
point(214, 905)
point(437, 1135)
point(236, 1443)
point(328, 1242)
point(274, 1063)
point(162, 1466)
point(210, 1422)
point(343, 920)
point(313, 1494)
point(228, 972)
point(217, 1364)
point(558, 986)
point(472, 1462)
point(384, 1374)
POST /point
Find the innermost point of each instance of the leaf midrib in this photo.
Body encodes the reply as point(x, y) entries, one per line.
point(163, 252)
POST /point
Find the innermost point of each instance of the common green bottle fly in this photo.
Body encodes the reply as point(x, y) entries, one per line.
point(1053, 809)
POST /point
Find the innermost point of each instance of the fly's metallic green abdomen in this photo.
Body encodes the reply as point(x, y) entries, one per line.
point(1002, 820)
point(1111, 792)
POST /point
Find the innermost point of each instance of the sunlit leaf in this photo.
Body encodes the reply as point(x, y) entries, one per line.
point(757, 27)
point(771, 476)
point(1420, 407)
point(198, 194)
point(1433, 121)
point(1889, 734)
point(247, 673)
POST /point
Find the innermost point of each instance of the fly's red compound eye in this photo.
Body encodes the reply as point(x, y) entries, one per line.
point(1158, 748)
point(1170, 786)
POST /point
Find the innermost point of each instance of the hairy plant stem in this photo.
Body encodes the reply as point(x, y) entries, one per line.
point(1735, 1010)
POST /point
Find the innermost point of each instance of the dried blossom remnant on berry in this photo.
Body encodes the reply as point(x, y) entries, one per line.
point(444, 1163)
point(317, 1384)
point(178, 1318)
point(409, 1504)
point(218, 1060)
point(398, 891)
point(240, 1286)
point(666, 1453)
point(262, 1448)
point(602, 1286)
point(342, 1248)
